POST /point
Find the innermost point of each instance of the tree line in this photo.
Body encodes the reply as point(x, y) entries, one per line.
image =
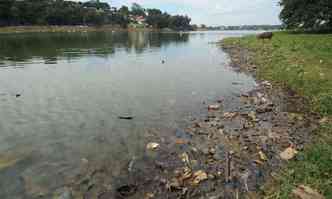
point(62, 12)
point(312, 15)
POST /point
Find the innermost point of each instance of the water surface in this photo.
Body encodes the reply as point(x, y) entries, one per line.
point(61, 95)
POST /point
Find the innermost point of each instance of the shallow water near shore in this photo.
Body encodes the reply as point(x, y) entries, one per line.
point(61, 96)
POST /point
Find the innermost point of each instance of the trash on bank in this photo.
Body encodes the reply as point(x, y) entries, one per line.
point(305, 192)
point(149, 195)
point(198, 177)
point(229, 115)
point(185, 158)
point(214, 107)
point(288, 154)
point(152, 146)
point(262, 156)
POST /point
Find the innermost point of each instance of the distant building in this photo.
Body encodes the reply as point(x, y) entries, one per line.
point(138, 21)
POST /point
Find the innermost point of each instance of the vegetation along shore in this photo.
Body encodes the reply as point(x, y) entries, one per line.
point(88, 13)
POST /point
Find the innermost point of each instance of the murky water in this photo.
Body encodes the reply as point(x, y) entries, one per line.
point(61, 96)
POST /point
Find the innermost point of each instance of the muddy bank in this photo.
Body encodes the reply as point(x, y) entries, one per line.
point(239, 145)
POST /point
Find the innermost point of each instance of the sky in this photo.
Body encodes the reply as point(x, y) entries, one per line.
point(216, 12)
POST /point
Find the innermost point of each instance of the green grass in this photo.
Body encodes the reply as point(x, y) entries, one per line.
point(302, 62)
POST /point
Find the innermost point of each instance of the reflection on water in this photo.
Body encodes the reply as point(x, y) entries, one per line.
point(19, 48)
point(61, 95)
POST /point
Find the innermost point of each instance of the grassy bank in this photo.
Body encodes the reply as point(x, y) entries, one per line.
point(302, 62)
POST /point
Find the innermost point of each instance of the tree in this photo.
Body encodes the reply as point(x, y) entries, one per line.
point(307, 14)
point(137, 10)
point(179, 22)
point(154, 18)
point(124, 10)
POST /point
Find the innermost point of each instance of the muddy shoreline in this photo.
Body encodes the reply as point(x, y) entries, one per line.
point(230, 153)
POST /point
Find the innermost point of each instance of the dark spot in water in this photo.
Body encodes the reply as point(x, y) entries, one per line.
point(126, 117)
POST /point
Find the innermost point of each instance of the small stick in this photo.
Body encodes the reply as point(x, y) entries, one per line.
point(229, 162)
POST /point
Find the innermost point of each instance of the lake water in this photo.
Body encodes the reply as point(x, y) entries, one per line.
point(61, 95)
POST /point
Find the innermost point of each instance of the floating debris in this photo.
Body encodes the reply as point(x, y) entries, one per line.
point(126, 117)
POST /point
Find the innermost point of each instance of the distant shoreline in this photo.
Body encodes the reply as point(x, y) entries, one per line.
point(79, 28)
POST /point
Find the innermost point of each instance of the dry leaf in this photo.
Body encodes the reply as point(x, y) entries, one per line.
point(262, 156)
point(229, 115)
point(288, 154)
point(186, 173)
point(324, 120)
point(149, 196)
point(185, 158)
point(199, 176)
point(305, 192)
point(152, 146)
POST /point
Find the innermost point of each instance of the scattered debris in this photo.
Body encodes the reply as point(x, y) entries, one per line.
point(214, 107)
point(127, 190)
point(240, 146)
point(288, 154)
point(305, 192)
point(180, 141)
point(324, 120)
point(262, 156)
point(185, 158)
point(229, 115)
point(266, 84)
point(152, 146)
point(198, 177)
point(149, 196)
